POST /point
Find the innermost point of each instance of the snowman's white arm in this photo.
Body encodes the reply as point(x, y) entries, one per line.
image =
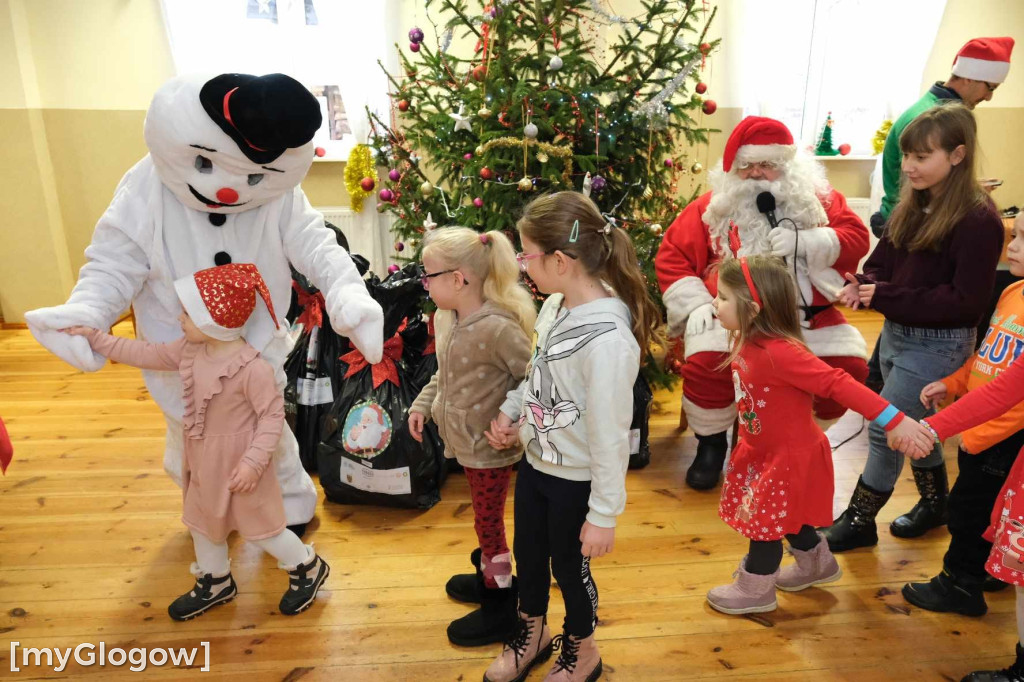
point(115, 271)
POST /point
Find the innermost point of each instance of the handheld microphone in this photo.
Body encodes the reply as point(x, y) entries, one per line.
point(766, 205)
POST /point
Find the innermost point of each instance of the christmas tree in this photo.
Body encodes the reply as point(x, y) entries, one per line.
point(825, 147)
point(536, 103)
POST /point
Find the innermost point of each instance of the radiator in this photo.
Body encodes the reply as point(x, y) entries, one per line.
point(862, 207)
point(368, 233)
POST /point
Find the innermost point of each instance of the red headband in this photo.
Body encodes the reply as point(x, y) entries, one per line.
point(750, 281)
point(227, 115)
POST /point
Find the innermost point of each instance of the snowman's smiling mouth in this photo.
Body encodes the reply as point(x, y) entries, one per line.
point(210, 202)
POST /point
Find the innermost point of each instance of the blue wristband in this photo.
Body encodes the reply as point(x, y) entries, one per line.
point(887, 415)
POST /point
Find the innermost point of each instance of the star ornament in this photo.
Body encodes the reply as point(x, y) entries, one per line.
point(461, 121)
point(429, 223)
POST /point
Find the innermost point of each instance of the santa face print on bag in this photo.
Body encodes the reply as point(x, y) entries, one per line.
point(228, 144)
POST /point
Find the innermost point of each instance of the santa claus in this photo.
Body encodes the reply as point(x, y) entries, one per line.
point(811, 227)
point(220, 184)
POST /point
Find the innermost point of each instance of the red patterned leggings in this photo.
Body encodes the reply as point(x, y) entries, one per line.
point(489, 488)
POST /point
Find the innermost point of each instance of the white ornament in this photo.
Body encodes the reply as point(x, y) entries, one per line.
point(555, 64)
point(587, 185)
point(461, 122)
point(530, 130)
point(429, 223)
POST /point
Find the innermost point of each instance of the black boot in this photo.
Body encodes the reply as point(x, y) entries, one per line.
point(299, 529)
point(855, 527)
point(930, 511)
point(207, 593)
point(466, 587)
point(993, 584)
point(1015, 673)
point(303, 584)
point(493, 622)
point(947, 592)
point(706, 469)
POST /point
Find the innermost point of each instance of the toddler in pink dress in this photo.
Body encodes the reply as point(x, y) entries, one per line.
point(233, 420)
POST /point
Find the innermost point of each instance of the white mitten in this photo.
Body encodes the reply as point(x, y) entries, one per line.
point(361, 319)
point(44, 324)
point(701, 319)
point(784, 242)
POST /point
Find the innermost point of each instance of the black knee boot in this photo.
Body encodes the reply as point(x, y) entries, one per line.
point(706, 469)
point(1015, 673)
point(494, 621)
point(855, 527)
point(930, 511)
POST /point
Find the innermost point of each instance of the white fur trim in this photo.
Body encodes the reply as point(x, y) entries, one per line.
point(682, 298)
point(706, 421)
point(715, 340)
point(981, 69)
point(841, 340)
point(753, 153)
point(192, 300)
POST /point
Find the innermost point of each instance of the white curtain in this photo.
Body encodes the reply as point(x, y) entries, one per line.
point(861, 60)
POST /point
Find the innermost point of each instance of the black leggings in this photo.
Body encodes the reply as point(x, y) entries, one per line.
point(764, 557)
point(549, 515)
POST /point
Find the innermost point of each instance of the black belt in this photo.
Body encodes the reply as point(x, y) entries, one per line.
point(811, 310)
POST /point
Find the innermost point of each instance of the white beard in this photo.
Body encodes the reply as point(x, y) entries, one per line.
point(734, 201)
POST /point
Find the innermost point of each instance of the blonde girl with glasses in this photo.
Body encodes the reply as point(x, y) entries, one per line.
point(483, 324)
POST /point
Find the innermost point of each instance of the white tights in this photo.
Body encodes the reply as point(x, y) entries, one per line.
point(286, 547)
point(1020, 615)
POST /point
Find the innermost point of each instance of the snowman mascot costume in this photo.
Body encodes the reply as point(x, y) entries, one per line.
point(220, 184)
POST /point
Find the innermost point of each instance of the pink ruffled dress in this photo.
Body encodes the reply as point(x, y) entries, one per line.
point(233, 413)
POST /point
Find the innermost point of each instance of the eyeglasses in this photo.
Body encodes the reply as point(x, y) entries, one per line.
point(991, 88)
point(426, 277)
point(762, 165)
point(524, 258)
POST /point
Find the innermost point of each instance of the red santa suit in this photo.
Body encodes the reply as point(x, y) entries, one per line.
point(828, 241)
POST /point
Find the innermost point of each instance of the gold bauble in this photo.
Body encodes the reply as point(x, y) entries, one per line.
point(656, 229)
point(696, 168)
point(542, 157)
point(426, 189)
point(479, 150)
point(526, 185)
point(648, 192)
point(484, 113)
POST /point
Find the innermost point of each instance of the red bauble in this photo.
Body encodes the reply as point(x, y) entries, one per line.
point(709, 106)
point(486, 173)
point(415, 47)
point(367, 184)
point(705, 48)
point(403, 105)
point(478, 202)
point(480, 72)
point(844, 149)
point(700, 88)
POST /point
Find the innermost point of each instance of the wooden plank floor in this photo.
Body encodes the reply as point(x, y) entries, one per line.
point(92, 549)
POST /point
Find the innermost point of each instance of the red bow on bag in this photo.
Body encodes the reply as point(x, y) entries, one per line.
point(386, 369)
point(312, 307)
point(431, 348)
point(6, 449)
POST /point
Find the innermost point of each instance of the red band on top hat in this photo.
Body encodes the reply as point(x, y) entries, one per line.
point(227, 116)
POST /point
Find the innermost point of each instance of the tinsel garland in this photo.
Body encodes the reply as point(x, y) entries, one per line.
point(561, 152)
point(655, 107)
point(359, 166)
point(878, 142)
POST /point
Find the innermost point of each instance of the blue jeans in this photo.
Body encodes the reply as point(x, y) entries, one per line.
point(911, 358)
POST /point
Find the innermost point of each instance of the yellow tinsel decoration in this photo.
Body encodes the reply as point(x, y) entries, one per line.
point(561, 152)
point(878, 142)
point(359, 166)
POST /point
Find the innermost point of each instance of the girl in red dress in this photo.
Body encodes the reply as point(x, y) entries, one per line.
point(779, 480)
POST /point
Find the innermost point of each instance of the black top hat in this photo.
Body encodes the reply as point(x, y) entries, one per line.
point(264, 115)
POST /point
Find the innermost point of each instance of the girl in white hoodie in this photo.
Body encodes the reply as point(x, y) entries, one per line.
point(572, 414)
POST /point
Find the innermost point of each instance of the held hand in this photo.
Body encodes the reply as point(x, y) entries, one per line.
point(866, 292)
point(784, 242)
point(243, 479)
point(933, 394)
point(416, 421)
point(503, 434)
point(848, 295)
point(597, 541)
point(701, 319)
point(911, 438)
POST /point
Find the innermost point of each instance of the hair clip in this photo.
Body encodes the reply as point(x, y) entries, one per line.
point(607, 229)
point(575, 234)
point(484, 239)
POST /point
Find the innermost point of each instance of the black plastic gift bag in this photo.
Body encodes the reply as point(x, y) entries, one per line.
point(639, 446)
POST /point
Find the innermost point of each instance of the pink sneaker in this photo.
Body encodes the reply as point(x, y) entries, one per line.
point(749, 593)
point(812, 567)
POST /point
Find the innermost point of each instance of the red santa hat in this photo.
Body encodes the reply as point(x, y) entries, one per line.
point(757, 138)
point(984, 59)
point(220, 300)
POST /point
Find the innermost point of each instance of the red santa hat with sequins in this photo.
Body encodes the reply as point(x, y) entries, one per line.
point(984, 59)
point(220, 300)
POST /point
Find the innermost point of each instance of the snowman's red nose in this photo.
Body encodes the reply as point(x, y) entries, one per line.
point(226, 195)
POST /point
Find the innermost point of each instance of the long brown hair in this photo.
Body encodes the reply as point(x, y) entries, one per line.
point(920, 220)
point(548, 222)
point(778, 317)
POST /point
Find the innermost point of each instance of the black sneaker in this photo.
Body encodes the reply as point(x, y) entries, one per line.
point(1015, 673)
point(946, 593)
point(303, 584)
point(207, 593)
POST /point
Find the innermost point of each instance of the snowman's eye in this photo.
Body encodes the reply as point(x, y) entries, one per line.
point(203, 164)
point(255, 178)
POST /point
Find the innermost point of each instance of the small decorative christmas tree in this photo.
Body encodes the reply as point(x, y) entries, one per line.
point(825, 147)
